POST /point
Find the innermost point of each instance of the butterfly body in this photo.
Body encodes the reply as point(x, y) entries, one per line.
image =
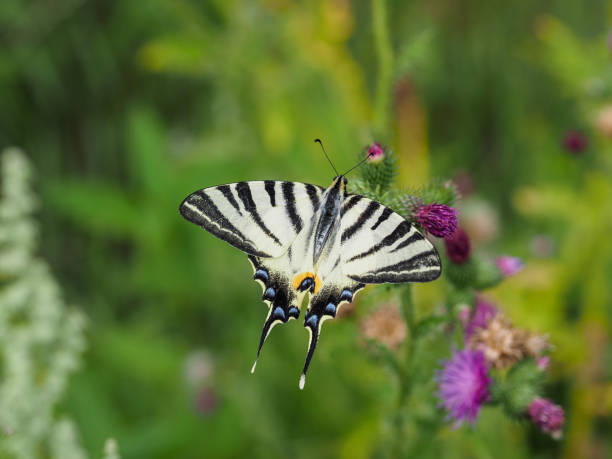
point(303, 240)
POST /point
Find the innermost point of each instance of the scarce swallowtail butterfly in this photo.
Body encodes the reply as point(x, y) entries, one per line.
point(303, 239)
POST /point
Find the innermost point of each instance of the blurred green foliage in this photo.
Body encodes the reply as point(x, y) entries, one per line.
point(126, 107)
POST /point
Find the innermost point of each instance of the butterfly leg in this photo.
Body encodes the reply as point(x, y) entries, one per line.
point(324, 305)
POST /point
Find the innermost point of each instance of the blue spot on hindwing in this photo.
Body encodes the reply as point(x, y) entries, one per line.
point(261, 274)
point(330, 309)
point(312, 321)
point(346, 295)
point(269, 294)
point(279, 314)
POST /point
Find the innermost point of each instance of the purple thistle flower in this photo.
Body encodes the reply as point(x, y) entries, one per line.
point(375, 153)
point(437, 219)
point(575, 142)
point(509, 265)
point(458, 246)
point(483, 313)
point(464, 385)
point(547, 416)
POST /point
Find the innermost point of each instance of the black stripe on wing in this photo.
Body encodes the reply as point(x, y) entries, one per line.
point(400, 230)
point(423, 267)
point(386, 213)
point(289, 196)
point(414, 237)
point(313, 194)
point(372, 207)
point(227, 192)
point(269, 185)
point(200, 209)
point(350, 202)
point(244, 193)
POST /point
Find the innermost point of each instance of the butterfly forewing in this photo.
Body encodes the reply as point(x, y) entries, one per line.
point(379, 245)
point(261, 218)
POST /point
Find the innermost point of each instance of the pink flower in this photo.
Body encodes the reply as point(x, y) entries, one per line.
point(547, 416)
point(543, 363)
point(458, 246)
point(509, 265)
point(375, 153)
point(575, 142)
point(464, 385)
point(437, 219)
point(483, 313)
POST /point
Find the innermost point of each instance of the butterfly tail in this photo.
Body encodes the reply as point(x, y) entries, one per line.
point(277, 314)
point(324, 305)
point(280, 298)
point(313, 324)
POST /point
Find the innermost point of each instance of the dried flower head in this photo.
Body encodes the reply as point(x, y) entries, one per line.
point(458, 246)
point(385, 325)
point(509, 265)
point(535, 345)
point(437, 219)
point(501, 344)
point(575, 141)
point(464, 385)
point(603, 121)
point(375, 153)
point(547, 416)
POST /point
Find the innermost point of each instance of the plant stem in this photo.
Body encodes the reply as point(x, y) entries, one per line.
point(407, 310)
point(404, 370)
point(384, 53)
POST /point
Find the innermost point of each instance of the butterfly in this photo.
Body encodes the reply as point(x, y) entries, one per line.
point(302, 239)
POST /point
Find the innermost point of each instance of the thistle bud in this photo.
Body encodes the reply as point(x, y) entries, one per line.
point(458, 246)
point(375, 153)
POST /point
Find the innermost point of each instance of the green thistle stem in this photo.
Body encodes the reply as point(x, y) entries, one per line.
point(407, 310)
point(405, 368)
point(384, 53)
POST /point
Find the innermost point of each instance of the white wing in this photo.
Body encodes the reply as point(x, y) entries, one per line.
point(379, 245)
point(260, 218)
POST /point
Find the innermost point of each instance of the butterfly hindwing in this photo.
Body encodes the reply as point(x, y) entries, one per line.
point(279, 294)
point(380, 246)
point(260, 218)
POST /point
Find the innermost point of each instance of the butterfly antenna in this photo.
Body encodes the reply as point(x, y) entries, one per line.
point(325, 153)
point(358, 164)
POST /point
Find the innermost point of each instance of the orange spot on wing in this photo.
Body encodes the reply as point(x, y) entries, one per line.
point(299, 278)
